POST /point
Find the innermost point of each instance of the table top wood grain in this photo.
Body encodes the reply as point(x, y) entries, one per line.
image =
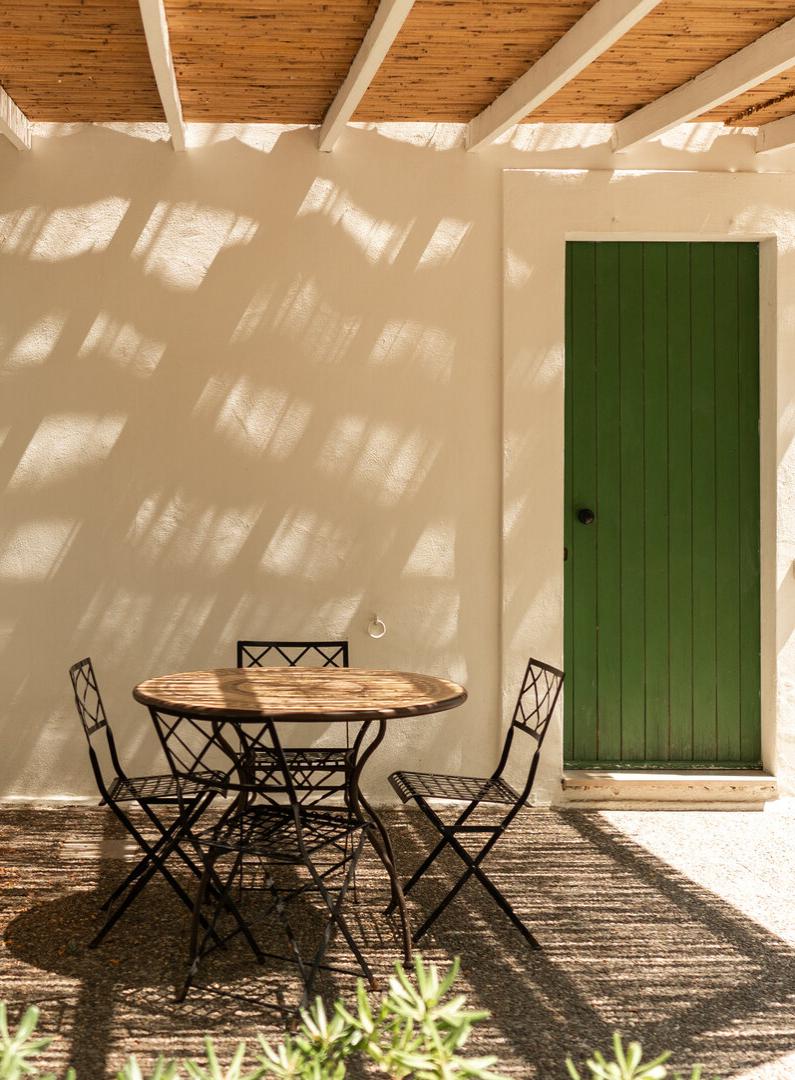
point(297, 694)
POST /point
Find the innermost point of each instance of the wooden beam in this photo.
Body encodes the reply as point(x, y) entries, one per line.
point(153, 15)
point(777, 135)
point(389, 18)
point(599, 28)
point(13, 123)
point(763, 59)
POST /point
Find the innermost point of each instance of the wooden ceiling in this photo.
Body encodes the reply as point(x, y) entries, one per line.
point(282, 61)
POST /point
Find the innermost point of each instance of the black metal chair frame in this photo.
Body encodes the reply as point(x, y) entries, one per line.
point(145, 792)
point(272, 824)
point(535, 706)
point(313, 768)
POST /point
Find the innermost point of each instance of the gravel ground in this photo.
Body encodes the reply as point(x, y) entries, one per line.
point(675, 928)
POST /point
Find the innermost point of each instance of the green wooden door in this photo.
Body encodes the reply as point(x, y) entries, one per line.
point(662, 445)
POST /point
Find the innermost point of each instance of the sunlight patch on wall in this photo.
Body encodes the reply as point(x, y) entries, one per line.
point(36, 343)
point(113, 618)
point(186, 533)
point(384, 461)
point(263, 137)
point(433, 555)
point(180, 241)
point(448, 236)
point(325, 333)
point(123, 345)
point(57, 235)
point(254, 315)
point(254, 418)
point(393, 463)
point(306, 547)
point(378, 240)
point(540, 137)
point(63, 446)
point(431, 348)
point(430, 135)
point(33, 550)
point(517, 270)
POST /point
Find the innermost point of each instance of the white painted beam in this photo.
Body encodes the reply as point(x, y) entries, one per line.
point(389, 18)
point(13, 123)
point(153, 14)
point(599, 28)
point(763, 59)
point(777, 135)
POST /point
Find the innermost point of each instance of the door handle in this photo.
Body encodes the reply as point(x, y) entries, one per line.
point(586, 516)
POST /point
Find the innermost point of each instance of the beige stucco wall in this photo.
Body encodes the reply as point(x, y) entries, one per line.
point(255, 390)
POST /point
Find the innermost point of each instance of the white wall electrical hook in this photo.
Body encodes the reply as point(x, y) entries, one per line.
point(376, 627)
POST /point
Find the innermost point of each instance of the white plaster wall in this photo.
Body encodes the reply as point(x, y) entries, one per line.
point(255, 390)
point(542, 211)
point(249, 391)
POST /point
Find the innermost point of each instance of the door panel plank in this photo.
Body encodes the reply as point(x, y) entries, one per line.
point(608, 506)
point(655, 499)
point(632, 501)
point(702, 270)
point(680, 503)
point(748, 342)
point(583, 490)
point(568, 588)
point(727, 505)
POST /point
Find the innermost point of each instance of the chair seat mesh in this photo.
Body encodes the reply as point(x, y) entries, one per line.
point(270, 831)
point(330, 759)
point(158, 788)
point(410, 785)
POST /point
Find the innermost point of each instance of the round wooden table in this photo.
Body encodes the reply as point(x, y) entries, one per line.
point(249, 696)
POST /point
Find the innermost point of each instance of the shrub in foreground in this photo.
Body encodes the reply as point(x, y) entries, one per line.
point(417, 1031)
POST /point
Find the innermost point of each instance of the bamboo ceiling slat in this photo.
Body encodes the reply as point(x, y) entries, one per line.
point(770, 101)
point(453, 57)
point(282, 61)
point(77, 60)
point(263, 60)
point(495, 41)
point(676, 42)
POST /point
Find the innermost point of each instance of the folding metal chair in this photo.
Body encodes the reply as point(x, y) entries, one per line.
point(318, 772)
point(268, 826)
point(145, 792)
point(538, 696)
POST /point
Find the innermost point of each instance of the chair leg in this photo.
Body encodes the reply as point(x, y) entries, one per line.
point(474, 868)
point(167, 833)
point(137, 870)
point(336, 919)
point(156, 856)
point(437, 911)
point(418, 873)
point(443, 842)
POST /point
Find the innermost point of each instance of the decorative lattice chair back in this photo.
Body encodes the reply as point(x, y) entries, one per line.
point(532, 715)
point(318, 763)
point(292, 654)
point(91, 710)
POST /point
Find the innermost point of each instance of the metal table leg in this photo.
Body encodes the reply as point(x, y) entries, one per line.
point(376, 830)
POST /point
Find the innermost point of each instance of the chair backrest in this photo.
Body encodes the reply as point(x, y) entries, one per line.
point(535, 705)
point(292, 654)
point(91, 710)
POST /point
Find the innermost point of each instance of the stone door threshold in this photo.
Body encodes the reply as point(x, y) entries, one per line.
point(593, 789)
